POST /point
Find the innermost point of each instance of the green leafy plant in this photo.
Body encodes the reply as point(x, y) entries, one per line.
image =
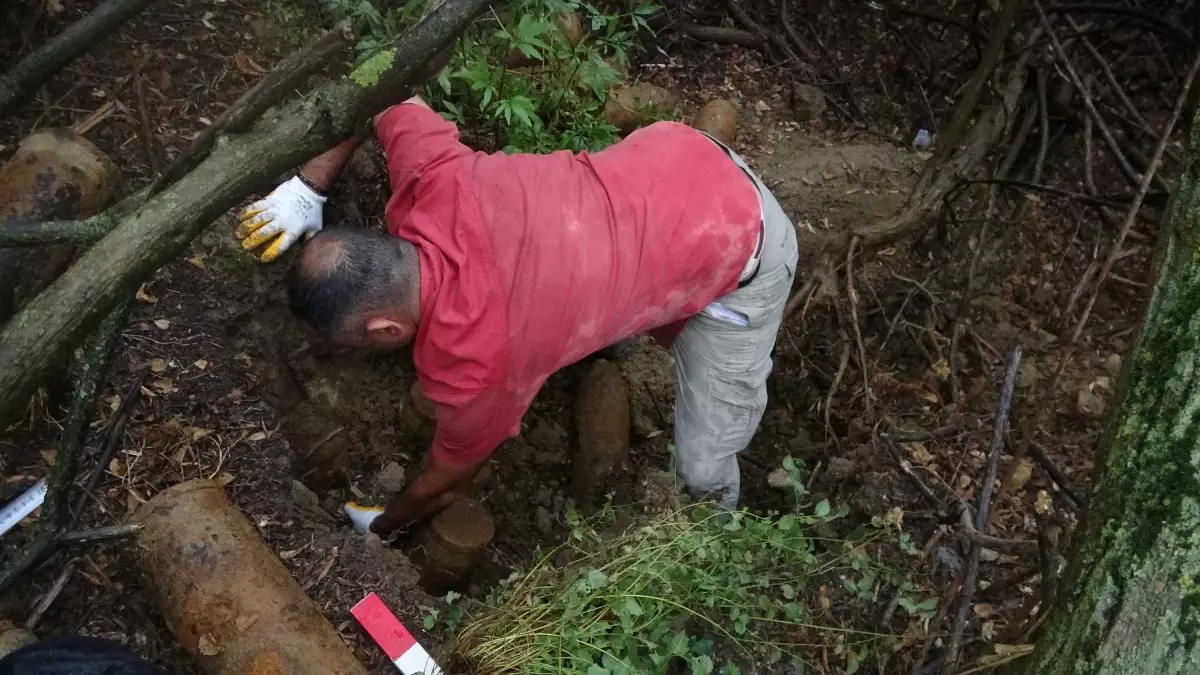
point(517, 80)
point(712, 590)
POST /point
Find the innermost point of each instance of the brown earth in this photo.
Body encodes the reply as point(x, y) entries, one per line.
point(235, 393)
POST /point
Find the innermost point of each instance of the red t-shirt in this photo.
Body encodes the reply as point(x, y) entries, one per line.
point(531, 262)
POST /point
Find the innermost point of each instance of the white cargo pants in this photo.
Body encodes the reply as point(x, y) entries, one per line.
point(722, 360)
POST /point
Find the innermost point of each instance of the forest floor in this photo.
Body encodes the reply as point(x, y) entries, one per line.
point(233, 394)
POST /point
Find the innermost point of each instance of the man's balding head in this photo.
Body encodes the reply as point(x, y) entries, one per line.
point(352, 282)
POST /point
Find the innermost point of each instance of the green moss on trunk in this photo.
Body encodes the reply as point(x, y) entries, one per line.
point(1132, 599)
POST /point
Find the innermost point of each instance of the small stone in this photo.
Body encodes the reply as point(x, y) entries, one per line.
point(761, 107)
point(1112, 365)
point(543, 520)
point(1020, 475)
point(13, 639)
point(1028, 375)
point(988, 555)
point(305, 499)
point(1089, 404)
point(839, 469)
point(570, 26)
point(949, 559)
point(548, 435)
point(391, 478)
point(778, 479)
point(627, 108)
point(808, 102)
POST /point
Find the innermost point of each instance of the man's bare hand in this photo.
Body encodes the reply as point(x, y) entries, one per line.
point(438, 485)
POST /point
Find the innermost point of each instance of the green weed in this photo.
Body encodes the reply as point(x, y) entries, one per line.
point(515, 79)
point(707, 589)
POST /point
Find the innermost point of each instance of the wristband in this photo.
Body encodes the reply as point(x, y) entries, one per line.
point(310, 185)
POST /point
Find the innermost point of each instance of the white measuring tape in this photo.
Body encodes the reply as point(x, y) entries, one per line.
point(16, 510)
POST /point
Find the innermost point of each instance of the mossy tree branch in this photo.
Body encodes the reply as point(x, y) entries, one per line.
point(49, 327)
point(30, 72)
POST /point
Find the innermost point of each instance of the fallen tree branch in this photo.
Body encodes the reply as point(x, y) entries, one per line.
point(93, 368)
point(1110, 141)
point(49, 327)
point(1114, 251)
point(965, 108)
point(32, 71)
point(721, 35)
point(983, 511)
point(272, 88)
point(116, 432)
point(743, 17)
point(1058, 476)
point(1050, 190)
point(856, 330)
point(48, 599)
point(100, 534)
point(1157, 23)
point(79, 232)
point(785, 7)
point(1028, 547)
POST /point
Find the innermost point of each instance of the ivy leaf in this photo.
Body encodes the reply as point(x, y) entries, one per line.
point(789, 593)
point(702, 665)
point(596, 580)
point(822, 509)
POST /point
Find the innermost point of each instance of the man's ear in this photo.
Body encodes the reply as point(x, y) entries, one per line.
point(379, 324)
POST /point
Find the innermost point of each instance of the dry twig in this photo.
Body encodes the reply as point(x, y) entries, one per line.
point(983, 511)
point(1144, 187)
point(868, 397)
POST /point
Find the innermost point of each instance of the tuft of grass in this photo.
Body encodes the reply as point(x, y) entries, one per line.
point(715, 591)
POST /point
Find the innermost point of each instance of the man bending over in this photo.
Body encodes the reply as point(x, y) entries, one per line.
point(501, 269)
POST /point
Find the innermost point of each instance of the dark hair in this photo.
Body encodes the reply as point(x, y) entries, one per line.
point(346, 271)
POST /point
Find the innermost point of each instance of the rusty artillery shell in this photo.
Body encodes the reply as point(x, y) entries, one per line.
point(56, 174)
point(602, 419)
point(225, 594)
point(452, 545)
point(718, 118)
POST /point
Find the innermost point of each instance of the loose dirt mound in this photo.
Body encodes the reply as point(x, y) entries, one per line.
point(825, 185)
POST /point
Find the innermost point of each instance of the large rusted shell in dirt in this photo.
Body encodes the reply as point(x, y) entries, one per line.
point(602, 419)
point(628, 108)
point(718, 118)
point(451, 546)
point(56, 174)
point(225, 595)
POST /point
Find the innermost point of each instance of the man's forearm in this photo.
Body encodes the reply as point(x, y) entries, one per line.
point(323, 169)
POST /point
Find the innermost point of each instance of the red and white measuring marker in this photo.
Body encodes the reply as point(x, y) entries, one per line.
point(393, 638)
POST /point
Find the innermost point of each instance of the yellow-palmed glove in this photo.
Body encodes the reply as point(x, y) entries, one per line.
point(292, 211)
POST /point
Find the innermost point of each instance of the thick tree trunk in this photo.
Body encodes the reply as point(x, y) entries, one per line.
point(49, 327)
point(1132, 598)
point(30, 72)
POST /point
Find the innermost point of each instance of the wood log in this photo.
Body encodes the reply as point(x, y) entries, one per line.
point(49, 327)
point(30, 72)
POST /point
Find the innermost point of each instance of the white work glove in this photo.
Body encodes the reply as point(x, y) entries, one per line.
point(291, 211)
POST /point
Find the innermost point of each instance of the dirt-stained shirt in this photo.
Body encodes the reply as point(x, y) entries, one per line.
point(531, 262)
